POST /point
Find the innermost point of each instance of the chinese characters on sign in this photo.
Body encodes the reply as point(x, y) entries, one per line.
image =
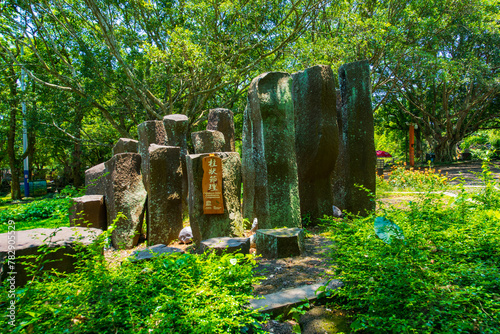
point(212, 185)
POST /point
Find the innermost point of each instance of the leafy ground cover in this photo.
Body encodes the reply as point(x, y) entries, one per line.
point(179, 293)
point(443, 277)
point(48, 212)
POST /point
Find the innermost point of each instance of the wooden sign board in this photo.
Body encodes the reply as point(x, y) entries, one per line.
point(212, 185)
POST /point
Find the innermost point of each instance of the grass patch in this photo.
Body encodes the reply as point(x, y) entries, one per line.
point(44, 213)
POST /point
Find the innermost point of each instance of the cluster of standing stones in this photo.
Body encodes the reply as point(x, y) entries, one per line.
point(306, 147)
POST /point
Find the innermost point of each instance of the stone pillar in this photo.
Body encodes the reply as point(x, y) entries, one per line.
point(316, 139)
point(270, 185)
point(150, 132)
point(164, 194)
point(221, 119)
point(125, 145)
point(125, 193)
point(208, 141)
point(95, 180)
point(357, 159)
point(176, 128)
point(217, 225)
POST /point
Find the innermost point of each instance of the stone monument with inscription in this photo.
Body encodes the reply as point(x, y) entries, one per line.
point(207, 219)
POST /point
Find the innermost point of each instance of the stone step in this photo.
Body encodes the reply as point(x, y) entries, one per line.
point(282, 301)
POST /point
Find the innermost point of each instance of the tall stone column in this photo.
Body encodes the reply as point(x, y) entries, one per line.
point(125, 193)
point(176, 128)
point(316, 139)
point(270, 184)
point(206, 226)
point(164, 195)
point(150, 132)
point(221, 119)
point(357, 159)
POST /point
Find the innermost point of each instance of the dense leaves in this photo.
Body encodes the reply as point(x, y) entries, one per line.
point(177, 293)
point(442, 277)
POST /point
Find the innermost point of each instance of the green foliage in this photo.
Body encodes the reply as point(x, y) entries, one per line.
point(390, 141)
point(483, 145)
point(402, 177)
point(39, 213)
point(442, 278)
point(174, 293)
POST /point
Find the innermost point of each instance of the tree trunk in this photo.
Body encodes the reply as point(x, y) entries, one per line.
point(76, 165)
point(446, 151)
point(76, 160)
point(15, 190)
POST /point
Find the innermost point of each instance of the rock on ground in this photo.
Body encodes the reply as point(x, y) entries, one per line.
point(27, 243)
point(88, 211)
point(278, 243)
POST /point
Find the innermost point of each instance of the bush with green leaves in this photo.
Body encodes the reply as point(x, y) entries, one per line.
point(441, 275)
point(174, 293)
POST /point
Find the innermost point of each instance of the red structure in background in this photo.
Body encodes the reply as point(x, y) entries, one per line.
point(383, 154)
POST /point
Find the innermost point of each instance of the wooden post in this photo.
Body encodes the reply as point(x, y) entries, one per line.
point(412, 145)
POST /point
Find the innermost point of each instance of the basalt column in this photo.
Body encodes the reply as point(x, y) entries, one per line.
point(316, 139)
point(150, 132)
point(125, 194)
point(206, 226)
point(221, 119)
point(270, 185)
point(357, 159)
point(176, 127)
point(164, 194)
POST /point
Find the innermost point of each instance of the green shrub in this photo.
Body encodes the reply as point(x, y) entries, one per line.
point(175, 293)
point(443, 277)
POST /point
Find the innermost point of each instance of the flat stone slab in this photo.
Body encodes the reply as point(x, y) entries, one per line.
point(152, 252)
point(27, 243)
point(226, 244)
point(279, 243)
point(284, 300)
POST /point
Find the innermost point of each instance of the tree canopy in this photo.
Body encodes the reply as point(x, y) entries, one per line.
point(98, 68)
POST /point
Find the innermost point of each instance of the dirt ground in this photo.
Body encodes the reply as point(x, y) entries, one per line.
point(467, 172)
point(291, 272)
